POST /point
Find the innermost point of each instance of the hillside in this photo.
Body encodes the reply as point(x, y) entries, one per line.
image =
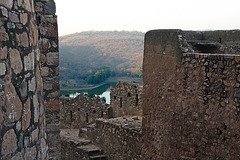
point(82, 54)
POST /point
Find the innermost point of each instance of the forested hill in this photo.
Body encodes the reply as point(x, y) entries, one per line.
point(82, 54)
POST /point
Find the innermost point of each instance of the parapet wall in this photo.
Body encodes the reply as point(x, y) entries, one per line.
point(23, 25)
point(80, 111)
point(191, 100)
point(117, 140)
point(126, 99)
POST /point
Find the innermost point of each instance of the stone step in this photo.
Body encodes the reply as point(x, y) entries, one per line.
point(99, 157)
point(90, 149)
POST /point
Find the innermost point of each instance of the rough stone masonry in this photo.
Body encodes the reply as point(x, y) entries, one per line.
point(191, 95)
point(29, 80)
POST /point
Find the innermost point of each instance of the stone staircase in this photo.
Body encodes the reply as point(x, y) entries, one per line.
point(75, 147)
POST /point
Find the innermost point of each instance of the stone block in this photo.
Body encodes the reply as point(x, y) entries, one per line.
point(33, 32)
point(34, 135)
point(44, 148)
point(4, 11)
point(47, 86)
point(15, 61)
point(13, 104)
point(53, 58)
point(26, 117)
point(22, 39)
point(7, 3)
point(26, 5)
point(29, 62)
point(32, 84)
point(30, 153)
point(36, 108)
point(23, 90)
point(9, 144)
point(3, 35)
point(51, 31)
point(24, 18)
point(53, 105)
point(13, 17)
point(39, 83)
point(50, 8)
point(2, 69)
point(43, 44)
point(3, 53)
point(44, 71)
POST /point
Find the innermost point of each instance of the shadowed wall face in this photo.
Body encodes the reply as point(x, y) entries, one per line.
point(191, 100)
point(28, 41)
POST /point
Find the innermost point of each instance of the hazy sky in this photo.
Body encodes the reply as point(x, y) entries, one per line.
point(143, 15)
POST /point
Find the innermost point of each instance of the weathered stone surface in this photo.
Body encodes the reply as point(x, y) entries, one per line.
point(24, 18)
point(33, 32)
point(4, 11)
point(39, 83)
point(26, 115)
point(3, 53)
point(51, 31)
point(2, 69)
point(36, 108)
point(43, 58)
point(19, 155)
point(18, 126)
point(7, 3)
point(44, 71)
point(15, 61)
point(43, 45)
point(13, 17)
point(3, 35)
point(30, 153)
point(1, 113)
point(9, 144)
point(29, 62)
point(50, 8)
point(32, 84)
point(47, 86)
point(24, 90)
point(44, 148)
point(34, 135)
point(13, 103)
point(53, 58)
point(22, 39)
point(26, 5)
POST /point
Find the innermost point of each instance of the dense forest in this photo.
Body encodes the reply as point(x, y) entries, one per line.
point(84, 55)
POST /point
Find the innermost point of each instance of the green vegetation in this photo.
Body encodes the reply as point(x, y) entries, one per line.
point(81, 54)
point(100, 76)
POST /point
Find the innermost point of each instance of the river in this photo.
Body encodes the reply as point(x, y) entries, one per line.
point(102, 91)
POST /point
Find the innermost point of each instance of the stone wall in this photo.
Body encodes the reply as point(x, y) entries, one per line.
point(126, 99)
point(22, 109)
point(80, 111)
point(117, 140)
point(28, 48)
point(49, 58)
point(191, 100)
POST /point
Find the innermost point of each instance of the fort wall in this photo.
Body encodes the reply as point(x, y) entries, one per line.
point(118, 140)
point(80, 111)
point(23, 27)
point(191, 100)
point(126, 99)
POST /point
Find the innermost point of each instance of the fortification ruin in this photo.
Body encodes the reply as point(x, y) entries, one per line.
point(103, 133)
point(191, 95)
point(190, 103)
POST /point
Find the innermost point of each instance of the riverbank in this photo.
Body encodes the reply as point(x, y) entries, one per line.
point(109, 80)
